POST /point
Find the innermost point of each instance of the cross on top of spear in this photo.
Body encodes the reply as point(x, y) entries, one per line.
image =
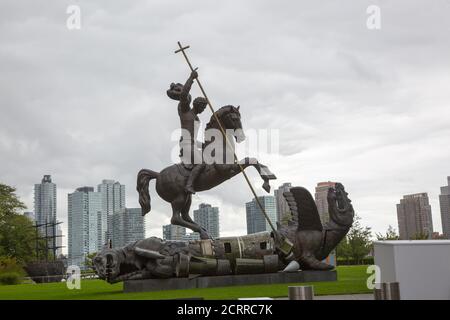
point(182, 50)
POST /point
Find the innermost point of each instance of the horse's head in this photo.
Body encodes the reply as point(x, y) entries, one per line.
point(230, 118)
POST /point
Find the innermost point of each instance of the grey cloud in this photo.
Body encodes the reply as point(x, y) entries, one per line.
point(368, 108)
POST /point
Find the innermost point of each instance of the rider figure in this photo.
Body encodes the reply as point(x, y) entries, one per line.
point(190, 123)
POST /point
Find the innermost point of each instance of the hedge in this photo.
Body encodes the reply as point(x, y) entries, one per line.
point(349, 262)
point(10, 278)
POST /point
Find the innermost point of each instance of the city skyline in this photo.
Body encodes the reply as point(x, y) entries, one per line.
point(64, 228)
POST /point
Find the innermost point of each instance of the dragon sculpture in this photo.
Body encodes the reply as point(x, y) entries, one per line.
point(254, 253)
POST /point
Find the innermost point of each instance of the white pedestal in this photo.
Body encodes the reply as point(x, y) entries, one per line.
point(422, 267)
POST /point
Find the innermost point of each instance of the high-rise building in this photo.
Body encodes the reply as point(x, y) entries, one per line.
point(438, 236)
point(29, 215)
point(113, 199)
point(173, 232)
point(84, 224)
point(256, 222)
point(283, 210)
point(414, 217)
point(320, 197)
point(45, 207)
point(444, 202)
point(191, 236)
point(128, 227)
point(208, 217)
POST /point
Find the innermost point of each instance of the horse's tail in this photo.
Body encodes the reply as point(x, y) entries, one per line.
point(143, 178)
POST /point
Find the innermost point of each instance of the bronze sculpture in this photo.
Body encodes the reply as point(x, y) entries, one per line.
point(255, 253)
point(172, 182)
point(302, 243)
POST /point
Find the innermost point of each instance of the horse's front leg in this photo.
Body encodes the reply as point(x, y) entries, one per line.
point(263, 171)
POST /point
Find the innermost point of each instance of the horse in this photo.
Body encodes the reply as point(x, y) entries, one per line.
point(171, 181)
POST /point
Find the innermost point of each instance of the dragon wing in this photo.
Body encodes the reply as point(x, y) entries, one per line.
point(303, 209)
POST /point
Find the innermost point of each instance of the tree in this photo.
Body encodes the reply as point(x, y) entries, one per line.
point(9, 202)
point(357, 244)
point(391, 234)
point(10, 265)
point(359, 240)
point(17, 235)
point(17, 238)
point(88, 260)
point(343, 250)
point(420, 236)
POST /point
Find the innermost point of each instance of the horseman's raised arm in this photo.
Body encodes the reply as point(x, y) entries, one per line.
point(185, 98)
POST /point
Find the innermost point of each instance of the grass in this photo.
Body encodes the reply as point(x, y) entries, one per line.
point(351, 280)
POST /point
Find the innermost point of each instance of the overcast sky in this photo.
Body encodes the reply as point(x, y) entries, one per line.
point(368, 108)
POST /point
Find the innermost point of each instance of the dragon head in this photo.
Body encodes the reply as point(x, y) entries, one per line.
point(340, 206)
point(107, 264)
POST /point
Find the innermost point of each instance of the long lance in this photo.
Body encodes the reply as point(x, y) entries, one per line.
point(286, 245)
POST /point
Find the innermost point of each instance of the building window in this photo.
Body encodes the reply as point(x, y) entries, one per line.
point(263, 245)
point(227, 246)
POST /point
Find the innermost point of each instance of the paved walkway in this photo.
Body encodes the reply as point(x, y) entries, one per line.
point(368, 296)
point(341, 297)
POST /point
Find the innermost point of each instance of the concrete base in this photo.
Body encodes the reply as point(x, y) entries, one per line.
point(421, 267)
point(230, 280)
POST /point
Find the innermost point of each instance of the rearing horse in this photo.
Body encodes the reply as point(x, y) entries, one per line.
point(170, 182)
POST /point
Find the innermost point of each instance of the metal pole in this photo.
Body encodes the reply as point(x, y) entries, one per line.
point(37, 242)
point(390, 291)
point(377, 294)
point(54, 239)
point(46, 241)
point(226, 138)
point(301, 293)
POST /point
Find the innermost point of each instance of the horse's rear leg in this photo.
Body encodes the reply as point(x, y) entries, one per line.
point(178, 207)
point(176, 218)
point(185, 213)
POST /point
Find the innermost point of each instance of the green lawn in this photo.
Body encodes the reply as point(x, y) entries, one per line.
point(351, 280)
